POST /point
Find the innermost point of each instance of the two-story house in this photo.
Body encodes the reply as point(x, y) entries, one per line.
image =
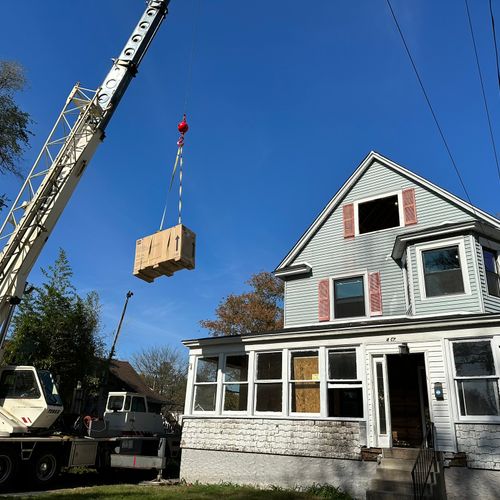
point(392, 321)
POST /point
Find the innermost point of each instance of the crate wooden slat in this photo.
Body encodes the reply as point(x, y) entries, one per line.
point(164, 253)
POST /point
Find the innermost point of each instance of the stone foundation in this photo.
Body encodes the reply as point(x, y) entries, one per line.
point(481, 444)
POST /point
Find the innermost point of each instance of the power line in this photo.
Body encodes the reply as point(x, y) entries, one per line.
point(494, 40)
point(428, 101)
point(482, 89)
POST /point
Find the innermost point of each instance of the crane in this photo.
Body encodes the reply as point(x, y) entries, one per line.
point(72, 142)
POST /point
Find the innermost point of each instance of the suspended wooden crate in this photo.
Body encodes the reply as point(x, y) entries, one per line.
point(164, 253)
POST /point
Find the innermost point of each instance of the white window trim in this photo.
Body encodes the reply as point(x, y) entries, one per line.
point(496, 250)
point(291, 381)
point(240, 382)
point(283, 378)
point(356, 204)
point(495, 345)
point(364, 275)
point(463, 267)
point(217, 384)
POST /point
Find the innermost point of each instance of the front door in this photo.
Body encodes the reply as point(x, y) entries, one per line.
point(382, 404)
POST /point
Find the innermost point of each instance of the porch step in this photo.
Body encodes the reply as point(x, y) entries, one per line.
point(401, 453)
point(397, 463)
point(397, 475)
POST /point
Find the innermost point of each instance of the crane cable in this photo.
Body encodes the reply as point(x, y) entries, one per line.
point(183, 127)
point(494, 40)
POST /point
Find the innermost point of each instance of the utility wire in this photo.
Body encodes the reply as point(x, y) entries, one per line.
point(482, 89)
point(494, 40)
point(428, 102)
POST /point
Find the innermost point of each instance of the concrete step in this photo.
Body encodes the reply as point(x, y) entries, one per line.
point(394, 486)
point(393, 475)
point(387, 495)
point(397, 463)
point(403, 453)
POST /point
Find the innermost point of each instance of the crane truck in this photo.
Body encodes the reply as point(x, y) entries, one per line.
point(129, 436)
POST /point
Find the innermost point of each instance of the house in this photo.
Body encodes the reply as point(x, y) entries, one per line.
point(392, 321)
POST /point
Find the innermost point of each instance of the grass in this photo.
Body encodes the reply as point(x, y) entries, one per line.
point(191, 492)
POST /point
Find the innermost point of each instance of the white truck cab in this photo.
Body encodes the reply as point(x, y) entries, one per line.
point(28, 400)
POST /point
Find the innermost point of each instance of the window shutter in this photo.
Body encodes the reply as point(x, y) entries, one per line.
point(409, 207)
point(324, 300)
point(375, 294)
point(348, 213)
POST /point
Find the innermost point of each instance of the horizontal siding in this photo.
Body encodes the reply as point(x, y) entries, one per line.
point(330, 254)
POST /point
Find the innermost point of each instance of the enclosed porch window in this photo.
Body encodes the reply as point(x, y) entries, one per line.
point(205, 389)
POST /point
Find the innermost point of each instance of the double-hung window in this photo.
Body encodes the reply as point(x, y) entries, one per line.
point(349, 297)
point(268, 382)
point(476, 378)
point(304, 382)
point(345, 390)
point(492, 271)
point(236, 382)
point(205, 388)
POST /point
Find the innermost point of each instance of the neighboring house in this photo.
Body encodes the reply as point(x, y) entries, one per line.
point(392, 321)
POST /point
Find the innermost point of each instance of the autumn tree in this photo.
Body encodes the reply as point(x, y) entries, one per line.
point(259, 310)
point(58, 330)
point(165, 371)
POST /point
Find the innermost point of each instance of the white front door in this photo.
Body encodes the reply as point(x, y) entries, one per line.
point(381, 402)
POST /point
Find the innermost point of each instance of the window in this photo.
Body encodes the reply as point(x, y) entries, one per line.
point(236, 382)
point(19, 384)
point(49, 388)
point(138, 404)
point(205, 390)
point(268, 383)
point(476, 378)
point(378, 214)
point(349, 297)
point(345, 391)
point(115, 403)
point(492, 271)
point(442, 271)
point(304, 382)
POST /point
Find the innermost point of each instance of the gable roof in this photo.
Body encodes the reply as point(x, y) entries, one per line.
point(358, 173)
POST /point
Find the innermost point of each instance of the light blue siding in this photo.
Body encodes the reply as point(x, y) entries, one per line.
point(491, 303)
point(330, 254)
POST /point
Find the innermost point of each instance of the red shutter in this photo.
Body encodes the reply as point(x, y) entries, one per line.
point(409, 206)
point(348, 213)
point(324, 300)
point(375, 294)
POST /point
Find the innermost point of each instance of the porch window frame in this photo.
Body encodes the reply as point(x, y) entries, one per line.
point(198, 384)
point(291, 381)
point(240, 382)
point(357, 383)
point(464, 267)
point(366, 294)
point(398, 193)
point(495, 347)
point(282, 381)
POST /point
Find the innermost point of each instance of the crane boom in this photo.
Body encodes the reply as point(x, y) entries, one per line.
point(70, 146)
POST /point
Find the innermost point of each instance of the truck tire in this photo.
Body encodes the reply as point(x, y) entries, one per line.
point(45, 466)
point(8, 467)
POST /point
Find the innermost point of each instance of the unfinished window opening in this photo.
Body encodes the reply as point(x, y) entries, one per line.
point(236, 382)
point(268, 383)
point(205, 390)
point(476, 378)
point(378, 214)
point(442, 271)
point(349, 297)
point(304, 382)
point(492, 271)
point(345, 390)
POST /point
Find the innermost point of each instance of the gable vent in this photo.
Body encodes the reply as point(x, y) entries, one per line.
point(409, 207)
point(348, 214)
point(324, 300)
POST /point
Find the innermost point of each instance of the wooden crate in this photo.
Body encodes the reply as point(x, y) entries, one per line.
point(164, 253)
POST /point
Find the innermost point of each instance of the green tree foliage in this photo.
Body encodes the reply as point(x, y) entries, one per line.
point(14, 123)
point(165, 371)
point(260, 310)
point(57, 330)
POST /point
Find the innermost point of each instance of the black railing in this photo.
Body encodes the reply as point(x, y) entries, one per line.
point(425, 462)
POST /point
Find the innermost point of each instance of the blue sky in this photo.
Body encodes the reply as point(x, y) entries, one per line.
point(286, 99)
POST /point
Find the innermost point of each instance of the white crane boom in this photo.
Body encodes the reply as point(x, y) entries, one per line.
point(69, 148)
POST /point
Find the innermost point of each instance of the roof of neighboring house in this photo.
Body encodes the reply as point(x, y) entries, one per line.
point(365, 164)
point(124, 371)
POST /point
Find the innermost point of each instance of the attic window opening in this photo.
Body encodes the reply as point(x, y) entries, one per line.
point(378, 214)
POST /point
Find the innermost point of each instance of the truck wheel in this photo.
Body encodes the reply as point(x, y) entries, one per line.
point(45, 466)
point(8, 467)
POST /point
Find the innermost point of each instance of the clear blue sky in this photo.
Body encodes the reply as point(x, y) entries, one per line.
point(286, 100)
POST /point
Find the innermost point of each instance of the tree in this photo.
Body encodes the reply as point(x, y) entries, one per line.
point(57, 330)
point(14, 123)
point(165, 371)
point(260, 310)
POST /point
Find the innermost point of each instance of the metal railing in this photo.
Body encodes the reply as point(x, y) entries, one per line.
point(425, 462)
